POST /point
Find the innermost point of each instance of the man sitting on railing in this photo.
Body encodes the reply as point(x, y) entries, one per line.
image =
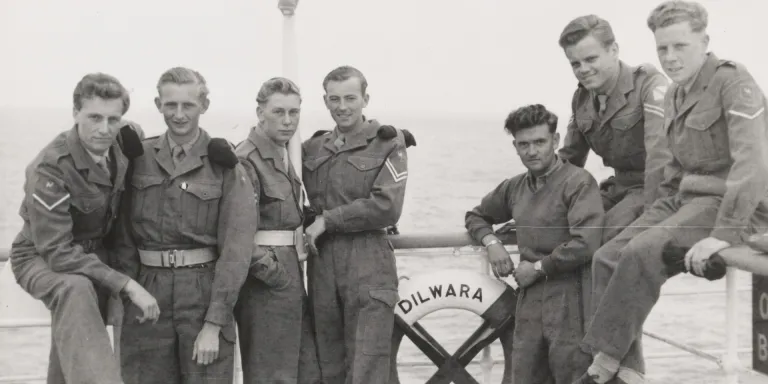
point(714, 193)
point(62, 256)
point(559, 216)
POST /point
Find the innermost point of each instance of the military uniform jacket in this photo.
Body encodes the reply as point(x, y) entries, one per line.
point(718, 141)
point(69, 203)
point(361, 186)
point(276, 189)
point(198, 204)
point(628, 136)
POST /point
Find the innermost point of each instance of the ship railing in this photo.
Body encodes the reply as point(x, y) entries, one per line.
point(460, 244)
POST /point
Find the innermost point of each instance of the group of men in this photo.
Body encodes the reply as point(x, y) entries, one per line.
point(197, 239)
point(691, 174)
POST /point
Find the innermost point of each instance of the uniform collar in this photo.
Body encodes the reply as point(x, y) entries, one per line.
point(194, 152)
point(358, 139)
point(187, 147)
point(696, 89)
point(84, 160)
point(266, 147)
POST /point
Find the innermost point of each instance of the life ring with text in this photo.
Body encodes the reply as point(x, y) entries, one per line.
point(491, 299)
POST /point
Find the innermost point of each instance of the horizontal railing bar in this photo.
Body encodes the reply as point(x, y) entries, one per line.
point(13, 379)
point(25, 323)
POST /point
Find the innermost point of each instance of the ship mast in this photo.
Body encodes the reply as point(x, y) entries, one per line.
point(290, 71)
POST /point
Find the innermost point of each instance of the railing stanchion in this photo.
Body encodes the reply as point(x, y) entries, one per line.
point(731, 359)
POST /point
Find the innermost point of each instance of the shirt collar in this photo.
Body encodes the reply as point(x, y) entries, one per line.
point(187, 146)
point(543, 178)
point(97, 158)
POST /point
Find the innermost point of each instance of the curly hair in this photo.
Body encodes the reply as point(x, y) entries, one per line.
point(530, 116)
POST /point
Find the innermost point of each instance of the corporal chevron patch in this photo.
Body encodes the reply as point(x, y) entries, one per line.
point(397, 176)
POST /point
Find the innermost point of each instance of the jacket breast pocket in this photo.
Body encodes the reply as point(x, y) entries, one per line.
point(628, 137)
point(312, 177)
point(88, 213)
point(147, 193)
point(273, 197)
point(703, 137)
point(360, 175)
point(200, 207)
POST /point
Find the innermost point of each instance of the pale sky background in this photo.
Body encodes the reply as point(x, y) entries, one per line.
point(420, 56)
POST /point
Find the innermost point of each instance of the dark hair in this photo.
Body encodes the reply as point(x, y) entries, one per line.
point(583, 26)
point(102, 86)
point(673, 12)
point(530, 116)
point(345, 73)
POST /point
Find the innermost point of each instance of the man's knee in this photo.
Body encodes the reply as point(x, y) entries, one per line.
point(74, 286)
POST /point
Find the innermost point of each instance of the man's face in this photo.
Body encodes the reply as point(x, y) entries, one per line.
point(345, 101)
point(279, 117)
point(681, 51)
point(181, 107)
point(536, 147)
point(98, 122)
point(593, 64)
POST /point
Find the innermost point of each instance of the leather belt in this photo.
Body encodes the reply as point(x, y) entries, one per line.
point(275, 238)
point(175, 258)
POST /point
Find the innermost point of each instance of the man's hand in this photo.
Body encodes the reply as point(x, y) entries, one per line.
point(696, 257)
point(313, 232)
point(206, 349)
point(525, 274)
point(142, 299)
point(501, 262)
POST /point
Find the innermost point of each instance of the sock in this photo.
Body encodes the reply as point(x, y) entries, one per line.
point(603, 368)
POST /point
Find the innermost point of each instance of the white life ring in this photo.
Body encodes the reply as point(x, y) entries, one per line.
point(489, 298)
point(447, 289)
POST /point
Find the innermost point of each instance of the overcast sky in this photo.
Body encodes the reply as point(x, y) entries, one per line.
point(458, 56)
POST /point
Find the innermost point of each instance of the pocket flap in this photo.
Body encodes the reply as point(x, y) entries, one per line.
point(365, 163)
point(88, 203)
point(702, 120)
point(389, 297)
point(627, 121)
point(279, 190)
point(204, 191)
point(312, 164)
point(145, 181)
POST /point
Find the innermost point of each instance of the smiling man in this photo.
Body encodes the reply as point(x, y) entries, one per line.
point(355, 178)
point(617, 113)
point(187, 237)
point(714, 193)
point(559, 218)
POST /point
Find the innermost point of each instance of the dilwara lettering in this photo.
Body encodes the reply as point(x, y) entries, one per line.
point(436, 292)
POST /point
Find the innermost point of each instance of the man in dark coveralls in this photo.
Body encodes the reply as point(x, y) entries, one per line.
point(559, 218)
point(61, 256)
point(715, 190)
point(355, 178)
point(187, 237)
point(276, 339)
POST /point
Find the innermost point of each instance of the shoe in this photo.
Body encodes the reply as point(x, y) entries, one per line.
point(673, 257)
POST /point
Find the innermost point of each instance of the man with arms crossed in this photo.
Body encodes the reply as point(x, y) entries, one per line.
point(61, 256)
point(559, 216)
point(714, 191)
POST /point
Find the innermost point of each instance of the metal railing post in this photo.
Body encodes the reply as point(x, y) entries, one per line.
point(730, 360)
point(486, 361)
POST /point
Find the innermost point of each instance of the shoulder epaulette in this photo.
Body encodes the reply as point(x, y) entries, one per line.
point(386, 132)
point(222, 152)
point(320, 133)
point(150, 138)
point(729, 63)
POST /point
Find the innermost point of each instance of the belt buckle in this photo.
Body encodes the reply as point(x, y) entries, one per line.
point(172, 258)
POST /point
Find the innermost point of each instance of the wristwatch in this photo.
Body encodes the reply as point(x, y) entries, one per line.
point(539, 269)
